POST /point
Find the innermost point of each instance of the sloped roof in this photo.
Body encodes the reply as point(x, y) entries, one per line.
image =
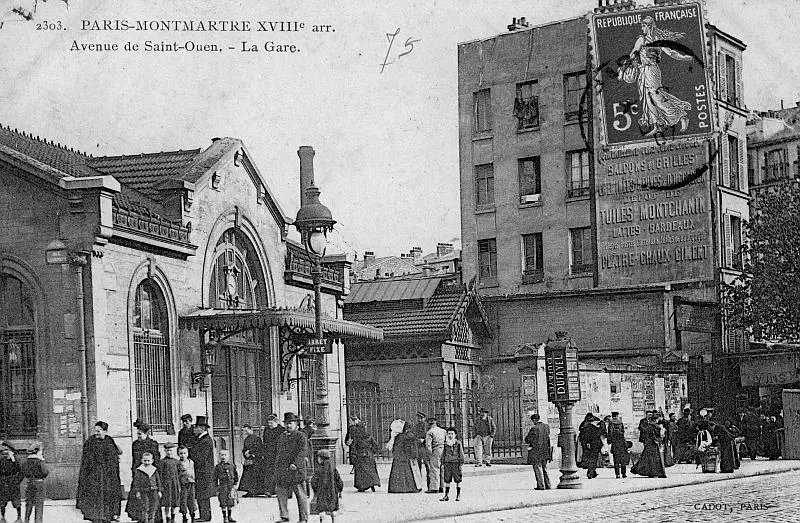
point(69, 161)
point(393, 290)
point(143, 172)
point(432, 314)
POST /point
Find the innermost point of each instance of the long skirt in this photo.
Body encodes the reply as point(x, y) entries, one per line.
point(366, 473)
point(650, 463)
point(253, 478)
point(666, 454)
point(401, 477)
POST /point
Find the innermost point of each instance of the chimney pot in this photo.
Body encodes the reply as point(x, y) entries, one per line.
point(306, 154)
point(216, 138)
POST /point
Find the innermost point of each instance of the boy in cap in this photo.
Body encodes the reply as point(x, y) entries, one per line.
point(169, 467)
point(146, 487)
point(10, 480)
point(225, 479)
point(34, 470)
point(452, 459)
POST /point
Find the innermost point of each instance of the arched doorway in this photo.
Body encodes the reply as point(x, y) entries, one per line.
point(240, 382)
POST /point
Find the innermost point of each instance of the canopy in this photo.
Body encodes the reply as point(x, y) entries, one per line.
point(234, 319)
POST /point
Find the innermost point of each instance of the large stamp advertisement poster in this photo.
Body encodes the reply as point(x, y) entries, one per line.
point(654, 74)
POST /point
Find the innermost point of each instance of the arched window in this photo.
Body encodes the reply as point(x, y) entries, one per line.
point(151, 357)
point(17, 359)
point(236, 281)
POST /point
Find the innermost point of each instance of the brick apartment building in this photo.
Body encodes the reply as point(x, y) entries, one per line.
point(166, 284)
point(542, 222)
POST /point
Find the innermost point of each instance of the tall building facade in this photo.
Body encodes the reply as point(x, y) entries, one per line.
point(623, 247)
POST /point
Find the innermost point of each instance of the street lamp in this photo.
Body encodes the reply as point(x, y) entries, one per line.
point(314, 221)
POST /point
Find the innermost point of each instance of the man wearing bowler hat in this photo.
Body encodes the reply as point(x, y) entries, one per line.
point(290, 467)
point(539, 451)
point(202, 453)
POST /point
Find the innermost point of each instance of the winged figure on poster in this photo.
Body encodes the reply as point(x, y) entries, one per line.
point(658, 108)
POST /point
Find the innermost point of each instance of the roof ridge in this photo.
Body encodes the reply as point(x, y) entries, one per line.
point(142, 155)
point(51, 143)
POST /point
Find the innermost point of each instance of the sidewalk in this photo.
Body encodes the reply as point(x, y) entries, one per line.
point(484, 490)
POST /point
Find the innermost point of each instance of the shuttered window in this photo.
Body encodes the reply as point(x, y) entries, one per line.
point(487, 260)
point(532, 258)
point(484, 186)
point(482, 103)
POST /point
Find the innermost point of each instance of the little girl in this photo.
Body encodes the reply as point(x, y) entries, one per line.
point(327, 485)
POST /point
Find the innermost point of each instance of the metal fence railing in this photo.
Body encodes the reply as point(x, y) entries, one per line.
point(451, 407)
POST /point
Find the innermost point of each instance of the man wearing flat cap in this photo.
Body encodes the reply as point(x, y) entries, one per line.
point(202, 453)
point(290, 467)
point(186, 436)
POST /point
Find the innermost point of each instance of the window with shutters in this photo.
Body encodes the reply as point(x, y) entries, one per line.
point(581, 251)
point(483, 110)
point(530, 180)
point(578, 172)
point(733, 162)
point(574, 86)
point(484, 186)
point(487, 261)
point(733, 241)
point(532, 258)
point(751, 170)
point(526, 105)
point(731, 89)
point(776, 167)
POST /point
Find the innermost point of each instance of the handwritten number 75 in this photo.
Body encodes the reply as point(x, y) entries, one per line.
point(410, 41)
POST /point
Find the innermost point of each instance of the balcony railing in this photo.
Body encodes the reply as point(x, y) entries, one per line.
point(299, 265)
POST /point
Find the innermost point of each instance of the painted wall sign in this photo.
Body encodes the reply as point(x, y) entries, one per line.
point(652, 74)
point(645, 232)
point(779, 369)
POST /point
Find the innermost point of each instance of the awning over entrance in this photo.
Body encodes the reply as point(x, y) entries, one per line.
point(232, 319)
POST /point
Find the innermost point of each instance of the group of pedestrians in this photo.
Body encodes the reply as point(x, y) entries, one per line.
point(279, 464)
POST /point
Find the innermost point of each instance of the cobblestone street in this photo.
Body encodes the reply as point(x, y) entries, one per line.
point(758, 498)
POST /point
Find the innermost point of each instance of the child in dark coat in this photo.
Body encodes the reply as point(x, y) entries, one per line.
point(327, 485)
point(170, 482)
point(10, 479)
point(146, 488)
point(35, 471)
point(226, 478)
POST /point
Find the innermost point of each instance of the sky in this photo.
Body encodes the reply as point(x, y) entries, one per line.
point(386, 138)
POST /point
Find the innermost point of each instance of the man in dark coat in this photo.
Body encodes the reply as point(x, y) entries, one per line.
point(186, 436)
point(202, 453)
point(99, 487)
point(686, 435)
point(751, 426)
point(272, 433)
point(619, 446)
point(290, 467)
point(423, 456)
point(539, 451)
point(591, 444)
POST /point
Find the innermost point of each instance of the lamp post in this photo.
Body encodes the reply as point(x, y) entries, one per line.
point(313, 222)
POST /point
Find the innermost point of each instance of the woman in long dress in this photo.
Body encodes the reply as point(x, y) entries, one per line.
point(591, 444)
point(99, 488)
point(403, 446)
point(650, 463)
point(658, 108)
point(725, 442)
point(362, 456)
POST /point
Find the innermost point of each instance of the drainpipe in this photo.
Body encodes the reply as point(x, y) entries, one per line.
point(79, 261)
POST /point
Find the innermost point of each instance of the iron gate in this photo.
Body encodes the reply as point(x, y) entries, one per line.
point(451, 407)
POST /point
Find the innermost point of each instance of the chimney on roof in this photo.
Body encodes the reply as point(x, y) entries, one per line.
point(443, 248)
point(306, 154)
point(215, 139)
point(416, 252)
point(369, 256)
point(427, 270)
point(517, 24)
